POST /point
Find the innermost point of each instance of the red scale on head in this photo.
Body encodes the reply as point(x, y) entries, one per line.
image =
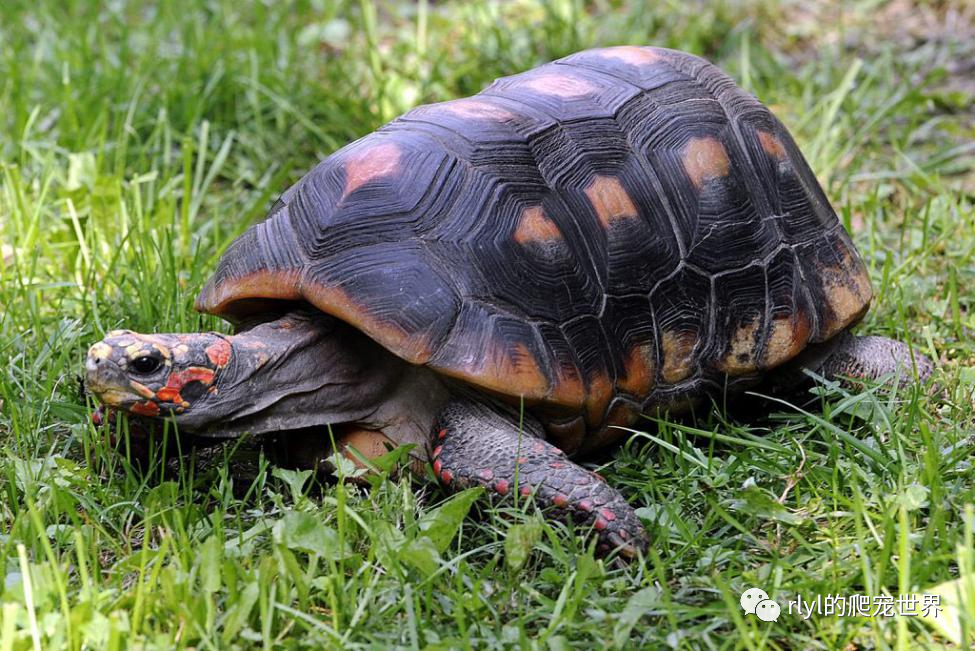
point(219, 353)
point(147, 408)
point(179, 379)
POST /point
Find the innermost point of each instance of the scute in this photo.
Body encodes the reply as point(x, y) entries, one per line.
point(619, 231)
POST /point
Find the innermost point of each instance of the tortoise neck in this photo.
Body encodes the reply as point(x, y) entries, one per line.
point(301, 370)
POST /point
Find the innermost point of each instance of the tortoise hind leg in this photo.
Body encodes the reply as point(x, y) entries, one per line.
point(476, 444)
point(871, 358)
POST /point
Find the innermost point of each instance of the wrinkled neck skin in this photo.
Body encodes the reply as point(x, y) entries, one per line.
point(309, 370)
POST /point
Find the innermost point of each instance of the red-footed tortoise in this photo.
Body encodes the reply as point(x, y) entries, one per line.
point(620, 232)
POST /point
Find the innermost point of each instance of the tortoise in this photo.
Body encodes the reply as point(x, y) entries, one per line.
point(509, 280)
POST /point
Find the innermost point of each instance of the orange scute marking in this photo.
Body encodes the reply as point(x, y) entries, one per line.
point(534, 226)
point(678, 350)
point(368, 164)
point(772, 145)
point(741, 350)
point(610, 200)
point(848, 294)
point(475, 109)
point(333, 300)
point(631, 54)
point(219, 352)
point(599, 394)
point(219, 299)
point(786, 338)
point(705, 159)
point(563, 86)
point(511, 370)
point(147, 408)
point(639, 364)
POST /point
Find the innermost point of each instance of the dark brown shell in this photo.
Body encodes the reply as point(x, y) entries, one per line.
point(617, 230)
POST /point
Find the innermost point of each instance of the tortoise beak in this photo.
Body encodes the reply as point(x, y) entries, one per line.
point(105, 379)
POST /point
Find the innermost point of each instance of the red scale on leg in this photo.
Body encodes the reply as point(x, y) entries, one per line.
point(607, 514)
point(437, 450)
point(525, 490)
point(446, 476)
point(600, 524)
point(486, 474)
point(437, 465)
point(501, 486)
point(560, 500)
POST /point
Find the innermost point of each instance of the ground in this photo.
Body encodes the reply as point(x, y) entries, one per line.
point(137, 139)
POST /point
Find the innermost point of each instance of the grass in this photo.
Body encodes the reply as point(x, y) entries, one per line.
point(137, 139)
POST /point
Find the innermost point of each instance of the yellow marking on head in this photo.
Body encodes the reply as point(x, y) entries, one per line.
point(142, 389)
point(135, 350)
point(163, 350)
point(181, 349)
point(101, 350)
point(705, 159)
point(113, 397)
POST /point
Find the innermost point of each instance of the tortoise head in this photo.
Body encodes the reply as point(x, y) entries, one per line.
point(299, 370)
point(157, 375)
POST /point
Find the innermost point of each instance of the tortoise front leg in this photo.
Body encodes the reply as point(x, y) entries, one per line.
point(476, 444)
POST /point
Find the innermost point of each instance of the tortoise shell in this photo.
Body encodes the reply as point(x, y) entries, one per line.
point(616, 231)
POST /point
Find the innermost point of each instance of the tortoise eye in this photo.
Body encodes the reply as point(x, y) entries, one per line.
point(145, 364)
